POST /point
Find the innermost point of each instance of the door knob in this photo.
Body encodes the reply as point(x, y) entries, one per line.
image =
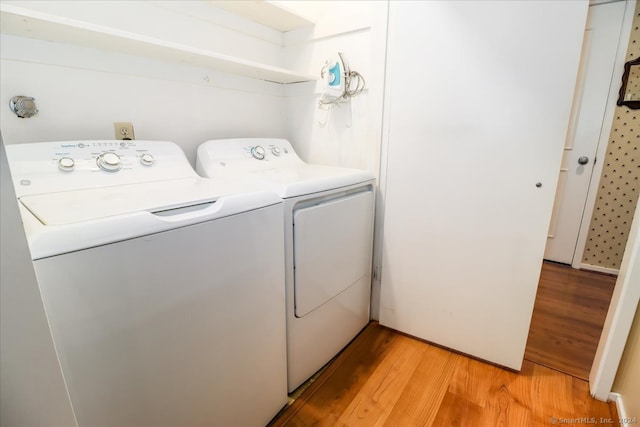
point(583, 160)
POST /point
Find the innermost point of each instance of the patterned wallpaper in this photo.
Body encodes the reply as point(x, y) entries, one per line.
point(620, 181)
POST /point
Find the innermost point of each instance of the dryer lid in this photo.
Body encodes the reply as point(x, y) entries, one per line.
point(269, 163)
point(302, 179)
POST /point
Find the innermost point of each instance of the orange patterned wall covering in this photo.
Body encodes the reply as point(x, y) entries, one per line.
point(620, 181)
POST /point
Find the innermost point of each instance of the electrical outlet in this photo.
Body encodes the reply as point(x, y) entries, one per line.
point(124, 130)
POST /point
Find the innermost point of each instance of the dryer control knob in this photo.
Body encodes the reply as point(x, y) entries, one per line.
point(66, 164)
point(147, 159)
point(275, 151)
point(109, 161)
point(258, 152)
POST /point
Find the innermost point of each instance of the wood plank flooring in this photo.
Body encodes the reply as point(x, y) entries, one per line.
point(384, 378)
point(570, 309)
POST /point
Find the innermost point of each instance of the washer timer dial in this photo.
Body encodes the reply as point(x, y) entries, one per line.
point(258, 152)
point(109, 161)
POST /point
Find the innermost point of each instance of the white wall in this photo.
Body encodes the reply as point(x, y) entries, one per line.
point(32, 390)
point(81, 91)
point(350, 136)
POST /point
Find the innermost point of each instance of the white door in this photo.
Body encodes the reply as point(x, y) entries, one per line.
point(478, 101)
point(590, 100)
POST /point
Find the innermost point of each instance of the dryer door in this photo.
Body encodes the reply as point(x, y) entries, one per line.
point(332, 248)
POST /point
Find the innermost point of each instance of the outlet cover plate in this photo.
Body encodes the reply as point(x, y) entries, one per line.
point(124, 130)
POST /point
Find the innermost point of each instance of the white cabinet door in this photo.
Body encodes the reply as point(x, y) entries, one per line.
point(478, 101)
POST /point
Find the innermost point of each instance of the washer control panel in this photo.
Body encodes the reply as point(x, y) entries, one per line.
point(106, 156)
point(69, 165)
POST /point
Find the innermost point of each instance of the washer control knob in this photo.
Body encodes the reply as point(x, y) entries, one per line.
point(275, 150)
point(66, 164)
point(109, 161)
point(147, 159)
point(258, 152)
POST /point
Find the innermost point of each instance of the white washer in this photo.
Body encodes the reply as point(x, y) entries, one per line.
point(328, 218)
point(164, 291)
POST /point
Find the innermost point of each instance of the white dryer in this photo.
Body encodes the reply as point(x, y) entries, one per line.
point(328, 221)
point(163, 290)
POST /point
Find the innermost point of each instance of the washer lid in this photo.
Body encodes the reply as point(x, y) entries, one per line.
point(69, 207)
point(58, 223)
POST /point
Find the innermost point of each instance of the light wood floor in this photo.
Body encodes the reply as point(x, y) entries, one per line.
point(570, 309)
point(384, 378)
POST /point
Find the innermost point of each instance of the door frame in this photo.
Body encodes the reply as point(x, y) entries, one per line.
point(603, 140)
point(620, 316)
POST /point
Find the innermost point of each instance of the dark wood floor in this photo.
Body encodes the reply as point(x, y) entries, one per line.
point(570, 309)
point(385, 378)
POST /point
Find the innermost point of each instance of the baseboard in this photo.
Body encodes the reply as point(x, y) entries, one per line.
point(599, 269)
point(622, 413)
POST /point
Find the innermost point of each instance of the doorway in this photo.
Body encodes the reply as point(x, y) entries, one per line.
point(571, 305)
point(580, 170)
point(568, 316)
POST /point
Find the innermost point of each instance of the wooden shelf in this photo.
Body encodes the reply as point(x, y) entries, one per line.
point(32, 24)
point(266, 13)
